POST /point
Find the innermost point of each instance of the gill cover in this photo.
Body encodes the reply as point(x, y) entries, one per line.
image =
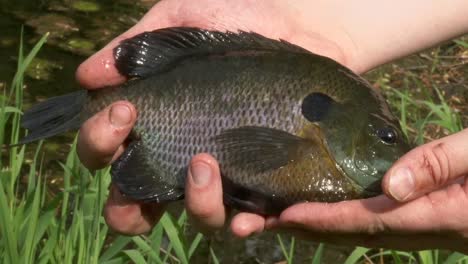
point(364, 139)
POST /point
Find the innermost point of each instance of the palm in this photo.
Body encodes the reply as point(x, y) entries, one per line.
point(381, 222)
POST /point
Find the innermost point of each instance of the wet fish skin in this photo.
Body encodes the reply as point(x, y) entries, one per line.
point(242, 98)
point(187, 120)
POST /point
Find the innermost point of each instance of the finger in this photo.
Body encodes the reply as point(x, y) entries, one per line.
point(406, 242)
point(129, 217)
point(245, 224)
point(101, 137)
point(381, 214)
point(99, 70)
point(204, 194)
point(359, 216)
point(428, 167)
point(382, 222)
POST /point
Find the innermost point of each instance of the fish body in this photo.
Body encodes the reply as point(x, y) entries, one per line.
point(285, 125)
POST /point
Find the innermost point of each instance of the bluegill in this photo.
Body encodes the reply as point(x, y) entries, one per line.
point(286, 125)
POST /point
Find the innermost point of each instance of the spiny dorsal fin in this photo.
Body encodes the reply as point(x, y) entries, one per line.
point(152, 52)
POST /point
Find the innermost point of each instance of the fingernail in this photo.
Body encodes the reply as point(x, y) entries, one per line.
point(401, 184)
point(201, 174)
point(120, 115)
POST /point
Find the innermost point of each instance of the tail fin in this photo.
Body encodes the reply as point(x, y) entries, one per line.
point(53, 116)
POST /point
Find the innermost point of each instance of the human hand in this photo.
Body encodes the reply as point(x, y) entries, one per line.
point(102, 137)
point(419, 212)
point(428, 192)
point(204, 200)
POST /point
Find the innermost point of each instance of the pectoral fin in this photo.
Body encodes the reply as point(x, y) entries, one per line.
point(260, 148)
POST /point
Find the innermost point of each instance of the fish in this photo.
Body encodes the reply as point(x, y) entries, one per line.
point(286, 125)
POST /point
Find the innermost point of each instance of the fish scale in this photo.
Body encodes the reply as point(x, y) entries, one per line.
point(198, 113)
point(284, 124)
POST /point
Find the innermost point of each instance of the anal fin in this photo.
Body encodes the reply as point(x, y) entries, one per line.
point(250, 200)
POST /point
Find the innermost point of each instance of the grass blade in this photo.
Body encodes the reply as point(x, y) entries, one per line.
point(115, 248)
point(213, 256)
point(145, 248)
point(33, 216)
point(461, 43)
point(6, 223)
point(318, 254)
point(23, 65)
point(135, 256)
point(396, 257)
point(357, 254)
point(425, 257)
point(288, 254)
point(194, 244)
point(174, 236)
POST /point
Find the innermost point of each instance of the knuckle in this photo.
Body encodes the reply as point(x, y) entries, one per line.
point(97, 140)
point(364, 224)
point(115, 223)
point(201, 213)
point(436, 163)
point(378, 226)
point(126, 220)
point(100, 146)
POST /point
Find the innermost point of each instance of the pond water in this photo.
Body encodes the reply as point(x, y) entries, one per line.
point(77, 29)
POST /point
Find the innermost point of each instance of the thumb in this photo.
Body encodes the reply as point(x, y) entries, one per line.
point(204, 194)
point(99, 71)
point(428, 167)
point(101, 137)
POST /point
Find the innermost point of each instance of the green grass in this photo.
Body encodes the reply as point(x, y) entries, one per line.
point(38, 226)
point(425, 114)
point(67, 227)
point(288, 253)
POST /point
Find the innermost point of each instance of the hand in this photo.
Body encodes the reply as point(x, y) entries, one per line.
point(429, 189)
point(426, 194)
point(102, 138)
point(324, 29)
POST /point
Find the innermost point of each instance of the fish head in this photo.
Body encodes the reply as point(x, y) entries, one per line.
point(368, 149)
point(364, 140)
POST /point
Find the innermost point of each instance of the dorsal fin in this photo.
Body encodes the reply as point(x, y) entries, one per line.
point(152, 52)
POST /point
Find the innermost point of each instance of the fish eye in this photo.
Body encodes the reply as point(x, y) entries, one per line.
point(388, 135)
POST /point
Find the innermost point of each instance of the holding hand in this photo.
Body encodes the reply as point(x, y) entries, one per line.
point(433, 218)
point(101, 138)
point(431, 179)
